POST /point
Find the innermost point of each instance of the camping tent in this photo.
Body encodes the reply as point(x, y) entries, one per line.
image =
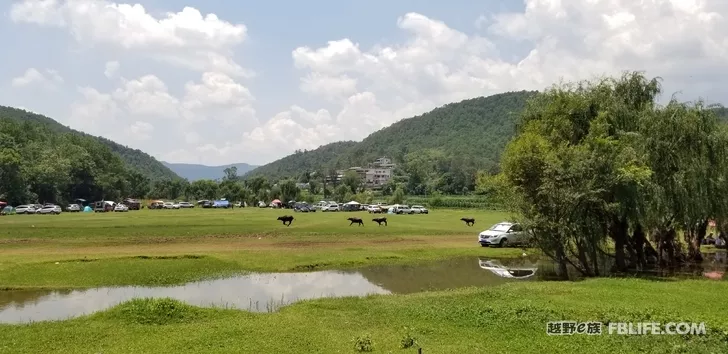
point(87, 209)
point(351, 206)
point(7, 210)
point(276, 203)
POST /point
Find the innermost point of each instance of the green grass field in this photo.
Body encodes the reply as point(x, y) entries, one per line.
point(507, 319)
point(155, 247)
point(150, 247)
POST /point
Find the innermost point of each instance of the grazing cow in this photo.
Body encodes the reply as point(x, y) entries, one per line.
point(380, 221)
point(469, 221)
point(286, 219)
point(356, 221)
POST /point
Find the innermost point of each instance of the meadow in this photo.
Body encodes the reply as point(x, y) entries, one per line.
point(164, 247)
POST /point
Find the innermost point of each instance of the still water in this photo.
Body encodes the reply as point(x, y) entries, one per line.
point(262, 292)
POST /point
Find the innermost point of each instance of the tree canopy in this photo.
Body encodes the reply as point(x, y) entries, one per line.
point(601, 161)
point(134, 159)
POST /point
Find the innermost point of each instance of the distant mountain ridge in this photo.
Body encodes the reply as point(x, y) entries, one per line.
point(134, 159)
point(470, 133)
point(193, 172)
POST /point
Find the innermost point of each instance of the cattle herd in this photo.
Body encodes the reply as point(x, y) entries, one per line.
point(288, 219)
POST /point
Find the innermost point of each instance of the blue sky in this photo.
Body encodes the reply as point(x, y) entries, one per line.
point(259, 80)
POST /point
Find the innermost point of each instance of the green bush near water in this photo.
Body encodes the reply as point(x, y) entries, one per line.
point(152, 311)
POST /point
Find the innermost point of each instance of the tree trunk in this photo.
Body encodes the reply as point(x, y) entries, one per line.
point(561, 260)
point(638, 241)
point(618, 233)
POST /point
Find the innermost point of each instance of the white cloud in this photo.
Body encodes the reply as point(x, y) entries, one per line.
point(141, 130)
point(147, 96)
point(186, 38)
point(32, 76)
point(112, 68)
point(329, 87)
point(132, 111)
point(350, 90)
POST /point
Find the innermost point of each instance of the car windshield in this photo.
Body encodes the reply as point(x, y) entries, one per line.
point(500, 227)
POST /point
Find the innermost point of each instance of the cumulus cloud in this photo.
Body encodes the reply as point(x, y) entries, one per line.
point(112, 68)
point(351, 90)
point(32, 76)
point(186, 38)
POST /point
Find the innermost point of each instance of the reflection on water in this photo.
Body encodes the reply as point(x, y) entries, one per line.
point(268, 292)
point(255, 292)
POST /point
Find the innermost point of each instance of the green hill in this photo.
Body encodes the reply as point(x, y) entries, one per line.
point(134, 159)
point(321, 159)
point(470, 134)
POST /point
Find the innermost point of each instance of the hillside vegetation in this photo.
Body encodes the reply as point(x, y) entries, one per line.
point(320, 159)
point(134, 159)
point(474, 130)
point(441, 150)
point(40, 165)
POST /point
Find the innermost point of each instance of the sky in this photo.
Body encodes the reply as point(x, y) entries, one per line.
point(216, 82)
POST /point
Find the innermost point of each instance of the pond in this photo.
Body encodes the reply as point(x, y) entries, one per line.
point(266, 292)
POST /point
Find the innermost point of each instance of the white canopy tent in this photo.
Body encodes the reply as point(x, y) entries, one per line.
point(353, 203)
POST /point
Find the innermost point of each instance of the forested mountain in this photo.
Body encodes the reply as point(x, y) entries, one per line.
point(320, 159)
point(193, 172)
point(445, 146)
point(39, 164)
point(133, 158)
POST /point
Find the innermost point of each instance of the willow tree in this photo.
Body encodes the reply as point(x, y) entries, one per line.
point(600, 163)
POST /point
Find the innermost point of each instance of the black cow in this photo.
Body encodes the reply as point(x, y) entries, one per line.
point(356, 221)
point(469, 221)
point(286, 219)
point(380, 221)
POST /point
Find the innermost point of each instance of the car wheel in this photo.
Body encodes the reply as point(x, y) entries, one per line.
point(483, 245)
point(503, 243)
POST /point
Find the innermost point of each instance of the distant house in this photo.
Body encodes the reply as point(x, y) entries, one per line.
point(374, 176)
point(303, 186)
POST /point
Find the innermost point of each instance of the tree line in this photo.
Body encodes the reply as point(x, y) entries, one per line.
point(600, 171)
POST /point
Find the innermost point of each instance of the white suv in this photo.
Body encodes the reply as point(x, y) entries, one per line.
point(49, 209)
point(419, 209)
point(402, 209)
point(330, 207)
point(502, 234)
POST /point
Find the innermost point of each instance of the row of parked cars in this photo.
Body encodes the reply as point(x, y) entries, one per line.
point(38, 209)
point(160, 204)
point(378, 208)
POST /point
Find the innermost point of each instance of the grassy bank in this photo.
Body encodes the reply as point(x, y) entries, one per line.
point(162, 247)
point(507, 319)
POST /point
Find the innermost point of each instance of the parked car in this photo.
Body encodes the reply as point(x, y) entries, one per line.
point(374, 209)
point(330, 207)
point(503, 234)
point(24, 209)
point(170, 205)
point(304, 208)
point(121, 208)
point(49, 209)
point(73, 208)
point(132, 204)
point(401, 209)
point(103, 206)
point(185, 205)
point(157, 204)
point(419, 209)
